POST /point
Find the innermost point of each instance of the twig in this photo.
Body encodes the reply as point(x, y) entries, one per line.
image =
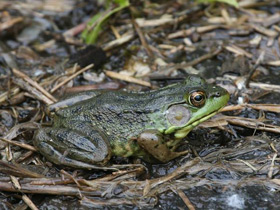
point(34, 84)
point(273, 63)
point(265, 107)
point(10, 23)
point(248, 164)
point(22, 145)
point(115, 32)
point(15, 182)
point(244, 122)
point(97, 203)
point(142, 37)
point(127, 78)
point(259, 60)
point(270, 172)
point(264, 86)
point(186, 200)
point(50, 189)
point(232, 108)
point(182, 33)
point(189, 31)
point(5, 96)
point(238, 50)
point(29, 202)
point(71, 77)
point(17, 170)
point(117, 42)
point(197, 61)
point(265, 31)
point(37, 94)
point(69, 33)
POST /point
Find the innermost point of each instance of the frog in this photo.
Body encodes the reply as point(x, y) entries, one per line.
point(91, 127)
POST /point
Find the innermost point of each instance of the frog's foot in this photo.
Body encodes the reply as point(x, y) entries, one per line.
point(176, 146)
point(153, 142)
point(182, 153)
point(72, 148)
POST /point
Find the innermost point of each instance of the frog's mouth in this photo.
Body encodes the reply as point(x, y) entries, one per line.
point(181, 133)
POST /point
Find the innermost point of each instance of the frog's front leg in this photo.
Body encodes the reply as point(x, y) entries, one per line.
point(80, 146)
point(155, 144)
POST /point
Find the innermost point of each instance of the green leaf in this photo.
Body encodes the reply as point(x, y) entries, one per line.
point(122, 3)
point(230, 2)
point(90, 35)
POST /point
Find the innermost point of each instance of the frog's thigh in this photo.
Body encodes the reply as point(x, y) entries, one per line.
point(152, 141)
point(57, 157)
point(97, 137)
point(70, 147)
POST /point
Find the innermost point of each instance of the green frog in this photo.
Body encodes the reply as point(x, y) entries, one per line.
point(91, 127)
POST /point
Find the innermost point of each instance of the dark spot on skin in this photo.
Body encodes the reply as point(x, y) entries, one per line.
point(76, 110)
point(60, 136)
point(98, 117)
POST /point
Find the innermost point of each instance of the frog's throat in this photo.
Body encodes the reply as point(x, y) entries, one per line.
point(181, 133)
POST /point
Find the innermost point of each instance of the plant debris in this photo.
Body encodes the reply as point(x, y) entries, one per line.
point(142, 46)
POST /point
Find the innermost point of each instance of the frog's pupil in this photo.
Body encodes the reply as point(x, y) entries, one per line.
point(198, 97)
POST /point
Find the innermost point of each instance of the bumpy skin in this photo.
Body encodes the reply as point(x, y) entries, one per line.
point(120, 123)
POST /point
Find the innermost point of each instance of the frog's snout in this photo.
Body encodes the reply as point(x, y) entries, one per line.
point(218, 92)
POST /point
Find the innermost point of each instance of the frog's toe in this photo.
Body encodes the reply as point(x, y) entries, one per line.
point(185, 152)
point(178, 145)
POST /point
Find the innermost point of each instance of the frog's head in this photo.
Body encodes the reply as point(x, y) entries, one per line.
point(200, 102)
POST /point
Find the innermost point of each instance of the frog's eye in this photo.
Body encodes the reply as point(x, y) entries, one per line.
point(197, 98)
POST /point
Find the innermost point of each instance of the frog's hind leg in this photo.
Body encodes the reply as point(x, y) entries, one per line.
point(58, 158)
point(73, 148)
point(99, 138)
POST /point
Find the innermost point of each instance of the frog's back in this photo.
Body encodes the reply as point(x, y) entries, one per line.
point(124, 115)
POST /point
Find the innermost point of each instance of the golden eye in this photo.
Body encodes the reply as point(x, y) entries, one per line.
point(197, 98)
